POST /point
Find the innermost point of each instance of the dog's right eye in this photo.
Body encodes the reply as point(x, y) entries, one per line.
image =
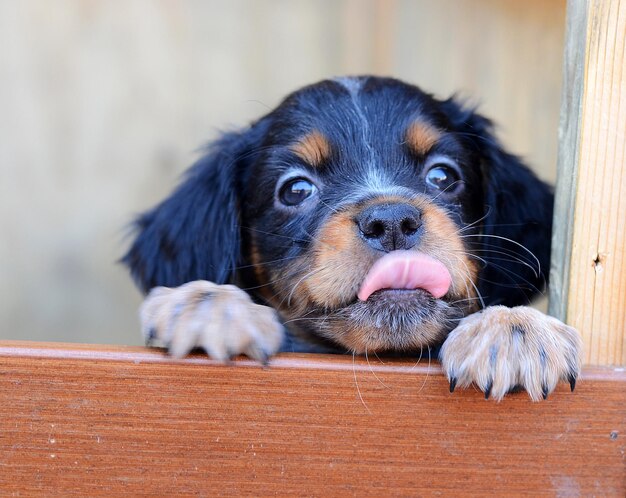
point(296, 191)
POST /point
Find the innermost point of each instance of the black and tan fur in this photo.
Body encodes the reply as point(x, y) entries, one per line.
point(277, 210)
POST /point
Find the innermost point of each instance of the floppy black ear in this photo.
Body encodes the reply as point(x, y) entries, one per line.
point(517, 232)
point(517, 229)
point(194, 233)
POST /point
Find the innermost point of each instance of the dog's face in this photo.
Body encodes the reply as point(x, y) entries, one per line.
point(352, 171)
point(367, 212)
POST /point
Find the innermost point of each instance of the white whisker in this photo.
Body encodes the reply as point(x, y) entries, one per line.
point(371, 370)
point(356, 382)
point(512, 242)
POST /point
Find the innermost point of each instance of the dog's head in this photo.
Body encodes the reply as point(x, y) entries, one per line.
point(366, 211)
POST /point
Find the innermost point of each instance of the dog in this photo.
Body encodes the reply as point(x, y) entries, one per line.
point(361, 215)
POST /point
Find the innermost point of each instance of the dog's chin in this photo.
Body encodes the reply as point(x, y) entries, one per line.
point(395, 319)
point(398, 301)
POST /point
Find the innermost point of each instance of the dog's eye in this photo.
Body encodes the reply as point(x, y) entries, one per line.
point(296, 191)
point(443, 177)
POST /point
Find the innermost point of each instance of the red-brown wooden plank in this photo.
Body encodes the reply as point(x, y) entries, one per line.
point(120, 420)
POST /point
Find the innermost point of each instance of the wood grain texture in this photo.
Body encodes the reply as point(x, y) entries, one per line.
point(109, 421)
point(593, 287)
point(568, 157)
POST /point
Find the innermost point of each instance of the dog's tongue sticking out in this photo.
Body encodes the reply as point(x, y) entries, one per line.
point(406, 270)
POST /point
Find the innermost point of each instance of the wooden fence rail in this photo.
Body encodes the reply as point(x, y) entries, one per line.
point(126, 420)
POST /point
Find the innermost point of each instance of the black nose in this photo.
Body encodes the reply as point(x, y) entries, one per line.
point(387, 227)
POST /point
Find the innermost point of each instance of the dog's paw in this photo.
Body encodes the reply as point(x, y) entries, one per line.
point(501, 348)
point(221, 319)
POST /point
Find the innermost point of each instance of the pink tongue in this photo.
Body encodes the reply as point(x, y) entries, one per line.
point(406, 270)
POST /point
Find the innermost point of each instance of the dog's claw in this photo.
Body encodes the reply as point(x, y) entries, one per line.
point(229, 358)
point(151, 336)
point(572, 381)
point(544, 391)
point(264, 358)
point(259, 353)
point(488, 389)
point(452, 384)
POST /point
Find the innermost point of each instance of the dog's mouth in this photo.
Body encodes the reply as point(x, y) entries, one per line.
point(405, 275)
point(400, 300)
point(395, 319)
point(400, 304)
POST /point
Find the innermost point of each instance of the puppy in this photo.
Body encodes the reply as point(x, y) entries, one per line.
point(361, 215)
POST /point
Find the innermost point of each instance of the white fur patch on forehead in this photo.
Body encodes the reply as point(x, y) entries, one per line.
point(376, 181)
point(351, 83)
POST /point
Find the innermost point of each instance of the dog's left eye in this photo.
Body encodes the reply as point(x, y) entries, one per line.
point(443, 177)
point(296, 191)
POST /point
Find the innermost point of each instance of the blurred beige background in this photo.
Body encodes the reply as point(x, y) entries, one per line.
point(104, 103)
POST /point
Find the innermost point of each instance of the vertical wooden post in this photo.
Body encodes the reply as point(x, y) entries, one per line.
point(588, 273)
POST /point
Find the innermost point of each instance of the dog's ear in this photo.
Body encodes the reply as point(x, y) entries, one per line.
point(517, 227)
point(194, 233)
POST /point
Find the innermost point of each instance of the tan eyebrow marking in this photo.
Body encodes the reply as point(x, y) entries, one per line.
point(313, 148)
point(421, 137)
